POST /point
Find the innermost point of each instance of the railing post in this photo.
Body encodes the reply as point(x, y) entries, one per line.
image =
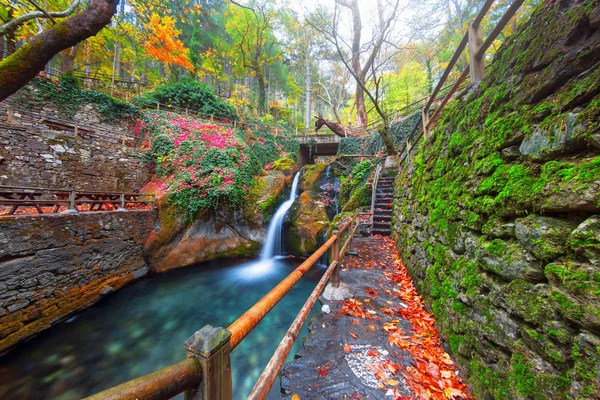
point(335, 257)
point(351, 244)
point(72, 200)
point(9, 116)
point(122, 201)
point(157, 106)
point(475, 42)
point(408, 149)
point(425, 119)
point(211, 347)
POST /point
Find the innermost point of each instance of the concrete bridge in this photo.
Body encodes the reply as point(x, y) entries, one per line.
point(317, 145)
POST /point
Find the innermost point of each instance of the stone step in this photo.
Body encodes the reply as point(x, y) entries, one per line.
point(382, 232)
point(387, 218)
point(383, 205)
point(382, 211)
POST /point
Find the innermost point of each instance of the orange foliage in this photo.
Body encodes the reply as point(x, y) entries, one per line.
point(163, 45)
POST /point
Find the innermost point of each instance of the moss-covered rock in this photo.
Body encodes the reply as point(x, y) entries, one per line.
point(586, 239)
point(510, 261)
point(310, 176)
point(285, 165)
point(266, 194)
point(545, 237)
point(307, 221)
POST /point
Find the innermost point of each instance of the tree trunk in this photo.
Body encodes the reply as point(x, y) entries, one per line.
point(262, 91)
point(68, 60)
point(361, 108)
point(387, 140)
point(23, 65)
point(307, 100)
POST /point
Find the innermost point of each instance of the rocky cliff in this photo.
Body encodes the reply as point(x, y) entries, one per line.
point(498, 214)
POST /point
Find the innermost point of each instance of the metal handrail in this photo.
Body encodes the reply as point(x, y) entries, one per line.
point(187, 374)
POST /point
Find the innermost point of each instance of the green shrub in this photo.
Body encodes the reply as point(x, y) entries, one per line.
point(355, 187)
point(195, 96)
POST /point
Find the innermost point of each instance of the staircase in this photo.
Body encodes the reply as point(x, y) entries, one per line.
point(382, 213)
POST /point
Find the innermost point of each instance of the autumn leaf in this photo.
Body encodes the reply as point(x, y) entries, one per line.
point(347, 348)
point(324, 370)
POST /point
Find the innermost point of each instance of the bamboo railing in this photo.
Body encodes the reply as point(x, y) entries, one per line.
point(206, 373)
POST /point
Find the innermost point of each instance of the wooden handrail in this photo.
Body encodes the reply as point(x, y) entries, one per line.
point(162, 384)
point(248, 321)
point(267, 378)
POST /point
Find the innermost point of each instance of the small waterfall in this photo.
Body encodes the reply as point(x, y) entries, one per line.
point(272, 246)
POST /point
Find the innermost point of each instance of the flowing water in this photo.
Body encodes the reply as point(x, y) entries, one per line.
point(273, 241)
point(142, 327)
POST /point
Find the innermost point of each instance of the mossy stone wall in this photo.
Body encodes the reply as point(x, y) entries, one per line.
point(497, 216)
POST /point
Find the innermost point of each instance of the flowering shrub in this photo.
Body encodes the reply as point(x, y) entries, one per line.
point(205, 165)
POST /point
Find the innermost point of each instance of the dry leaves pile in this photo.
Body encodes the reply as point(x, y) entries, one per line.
point(433, 375)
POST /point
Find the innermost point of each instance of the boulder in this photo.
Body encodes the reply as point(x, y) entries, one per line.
point(307, 220)
point(266, 194)
point(310, 176)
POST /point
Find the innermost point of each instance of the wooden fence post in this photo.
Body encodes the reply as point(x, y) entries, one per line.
point(9, 117)
point(335, 257)
point(211, 347)
point(157, 106)
point(72, 200)
point(122, 201)
point(408, 149)
point(425, 119)
point(475, 42)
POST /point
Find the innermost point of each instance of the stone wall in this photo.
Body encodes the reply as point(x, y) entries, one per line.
point(53, 266)
point(40, 148)
point(497, 215)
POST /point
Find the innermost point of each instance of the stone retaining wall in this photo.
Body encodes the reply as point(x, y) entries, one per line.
point(53, 266)
point(497, 215)
point(38, 148)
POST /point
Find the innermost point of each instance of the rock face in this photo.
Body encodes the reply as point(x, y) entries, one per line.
point(500, 228)
point(307, 219)
point(175, 242)
point(53, 266)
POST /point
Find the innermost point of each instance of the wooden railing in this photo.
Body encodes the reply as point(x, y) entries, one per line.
point(475, 70)
point(206, 373)
point(374, 192)
point(48, 201)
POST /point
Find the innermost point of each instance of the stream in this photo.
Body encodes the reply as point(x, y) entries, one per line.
point(142, 328)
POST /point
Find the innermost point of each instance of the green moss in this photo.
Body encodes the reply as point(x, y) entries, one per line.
point(285, 165)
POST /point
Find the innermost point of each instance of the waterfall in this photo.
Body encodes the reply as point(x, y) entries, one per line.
point(272, 246)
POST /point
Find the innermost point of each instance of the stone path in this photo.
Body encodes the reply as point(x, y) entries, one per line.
point(366, 347)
